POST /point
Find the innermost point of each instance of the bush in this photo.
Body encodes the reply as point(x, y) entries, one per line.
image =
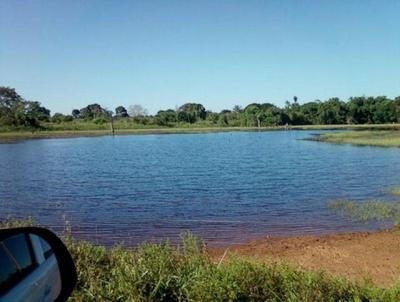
point(99, 121)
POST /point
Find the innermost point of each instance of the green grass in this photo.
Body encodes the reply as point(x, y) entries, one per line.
point(363, 138)
point(21, 135)
point(164, 272)
point(394, 191)
point(369, 210)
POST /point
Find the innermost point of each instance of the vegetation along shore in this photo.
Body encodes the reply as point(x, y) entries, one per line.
point(20, 114)
point(362, 138)
point(355, 256)
point(336, 267)
point(23, 119)
point(11, 136)
point(191, 272)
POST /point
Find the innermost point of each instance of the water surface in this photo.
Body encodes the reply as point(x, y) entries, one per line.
point(225, 187)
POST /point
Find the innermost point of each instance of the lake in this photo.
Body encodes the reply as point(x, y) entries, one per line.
point(225, 187)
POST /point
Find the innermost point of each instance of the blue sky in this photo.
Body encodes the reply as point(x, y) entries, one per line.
point(160, 54)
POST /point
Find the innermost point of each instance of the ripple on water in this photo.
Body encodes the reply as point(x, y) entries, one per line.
point(225, 187)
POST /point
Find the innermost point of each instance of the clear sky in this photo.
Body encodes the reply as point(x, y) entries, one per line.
point(67, 54)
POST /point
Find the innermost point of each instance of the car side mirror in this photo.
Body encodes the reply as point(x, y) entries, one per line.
point(35, 265)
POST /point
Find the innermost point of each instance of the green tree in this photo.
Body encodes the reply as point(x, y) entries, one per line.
point(35, 110)
point(331, 112)
point(358, 112)
point(384, 110)
point(10, 106)
point(237, 109)
point(75, 113)
point(251, 114)
point(121, 111)
point(193, 112)
point(212, 117)
point(166, 117)
point(15, 111)
point(310, 112)
point(93, 111)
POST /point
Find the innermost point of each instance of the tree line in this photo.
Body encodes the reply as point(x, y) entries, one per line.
point(17, 112)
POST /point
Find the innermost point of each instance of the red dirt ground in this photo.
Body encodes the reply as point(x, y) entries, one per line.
point(356, 256)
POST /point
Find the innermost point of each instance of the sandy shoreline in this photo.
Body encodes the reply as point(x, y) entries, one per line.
point(355, 256)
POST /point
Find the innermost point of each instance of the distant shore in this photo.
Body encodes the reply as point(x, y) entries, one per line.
point(42, 134)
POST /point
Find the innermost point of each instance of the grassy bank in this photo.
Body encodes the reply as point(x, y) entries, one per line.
point(162, 272)
point(21, 135)
point(91, 129)
point(371, 209)
point(368, 210)
point(362, 138)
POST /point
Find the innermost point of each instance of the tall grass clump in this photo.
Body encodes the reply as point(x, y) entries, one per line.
point(163, 272)
point(369, 210)
point(395, 190)
point(166, 272)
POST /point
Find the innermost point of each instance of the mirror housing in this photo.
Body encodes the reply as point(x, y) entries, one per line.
point(66, 267)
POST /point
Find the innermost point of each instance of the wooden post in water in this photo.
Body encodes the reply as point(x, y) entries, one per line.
point(112, 124)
